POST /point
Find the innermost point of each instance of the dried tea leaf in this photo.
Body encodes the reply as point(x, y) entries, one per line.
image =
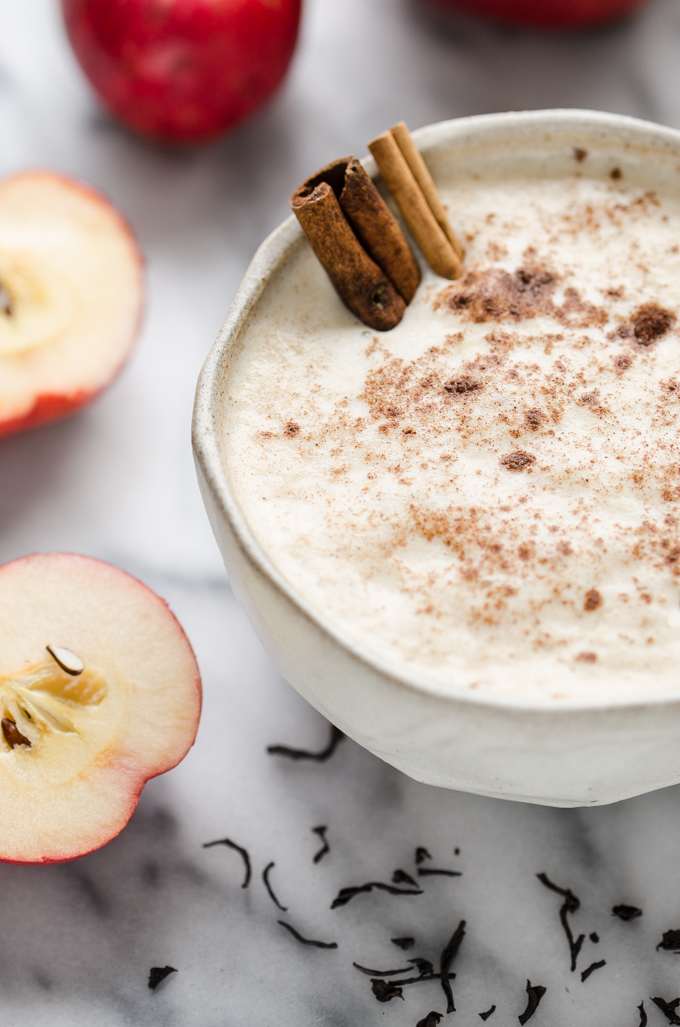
point(670, 942)
point(570, 905)
point(304, 754)
point(534, 996)
point(308, 941)
point(321, 831)
point(381, 973)
point(346, 894)
point(449, 953)
point(591, 969)
point(272, 896)
point(626, 913)
point(401, 877)
point(237, 848)
point(385, 991)
point(158, 974)
point(668, 1009)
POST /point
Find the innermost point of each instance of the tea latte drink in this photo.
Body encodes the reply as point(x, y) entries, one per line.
point(489, 494)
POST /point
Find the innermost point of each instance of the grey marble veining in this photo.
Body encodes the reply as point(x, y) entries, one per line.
point(117, 482)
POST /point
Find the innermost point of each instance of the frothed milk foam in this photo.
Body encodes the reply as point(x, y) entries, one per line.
point(489, 495)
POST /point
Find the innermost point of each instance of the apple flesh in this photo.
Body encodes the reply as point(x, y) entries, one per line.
point(183, 70)
point(548, 13)
point(71, 292)
point(77, 746)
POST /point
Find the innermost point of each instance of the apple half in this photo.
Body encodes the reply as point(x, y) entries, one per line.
point(71, 292)
point(99, 691)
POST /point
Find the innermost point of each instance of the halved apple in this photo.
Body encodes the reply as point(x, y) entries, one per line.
point(78, 745)
point(71, 295)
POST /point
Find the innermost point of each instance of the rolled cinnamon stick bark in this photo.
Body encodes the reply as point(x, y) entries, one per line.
point(360, 283)
point(377, 229)
point(426, 230)
point(421, 173)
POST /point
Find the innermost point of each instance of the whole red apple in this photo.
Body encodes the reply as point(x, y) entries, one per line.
point(554, 14)
point(183, 70)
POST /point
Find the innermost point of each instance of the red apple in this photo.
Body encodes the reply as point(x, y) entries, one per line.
point(183, 70)
point(99, 691)
point(71, 295)
point(547, 13)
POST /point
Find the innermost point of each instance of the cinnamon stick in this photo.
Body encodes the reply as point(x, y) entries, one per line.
point(428, 233)
point(358, 241)
point(377, 229)
point(421, 173)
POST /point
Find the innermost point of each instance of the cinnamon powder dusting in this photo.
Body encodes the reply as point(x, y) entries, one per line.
point(489, 494)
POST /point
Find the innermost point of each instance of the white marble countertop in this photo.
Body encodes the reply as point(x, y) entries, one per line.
point(117, 482)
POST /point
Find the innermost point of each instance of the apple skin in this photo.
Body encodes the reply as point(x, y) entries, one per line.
point(550, 14)
point(49, 407)
point(183, 71)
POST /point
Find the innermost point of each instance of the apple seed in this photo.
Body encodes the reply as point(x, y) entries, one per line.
point(67, 660)
point(5, 300)
point(12, 734)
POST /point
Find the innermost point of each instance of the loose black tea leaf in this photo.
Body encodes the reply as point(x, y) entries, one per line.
point(415, 980)
point(308, 941)
point(272, 896)
point(594, 937)
point(304, 754)
point(431, 872)
point(423, 966)
point(448, 955)
point(158, 974)
point(487, 1014)
point(385, 991)
point(570, 905)
point(670, 942)
point(592, 968)
point(431, 1020)
point(401, 877)
point(535, 994)
point(381, 973)
point(423, 977)
point(668, 1009)
point(242, 853)
point(403, 943)
point(345, 894)
point(643, 1015)
point(321, 831)
point(421, 855)
point(626, 913)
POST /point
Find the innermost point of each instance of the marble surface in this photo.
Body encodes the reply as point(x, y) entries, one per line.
point(117, 482)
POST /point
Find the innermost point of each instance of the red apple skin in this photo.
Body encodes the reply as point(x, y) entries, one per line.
point(48, 408)
point(549, 14)
point(135, 793)
point(183, 70)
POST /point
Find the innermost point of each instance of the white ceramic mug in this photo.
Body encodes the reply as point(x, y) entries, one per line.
point(574, 755)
